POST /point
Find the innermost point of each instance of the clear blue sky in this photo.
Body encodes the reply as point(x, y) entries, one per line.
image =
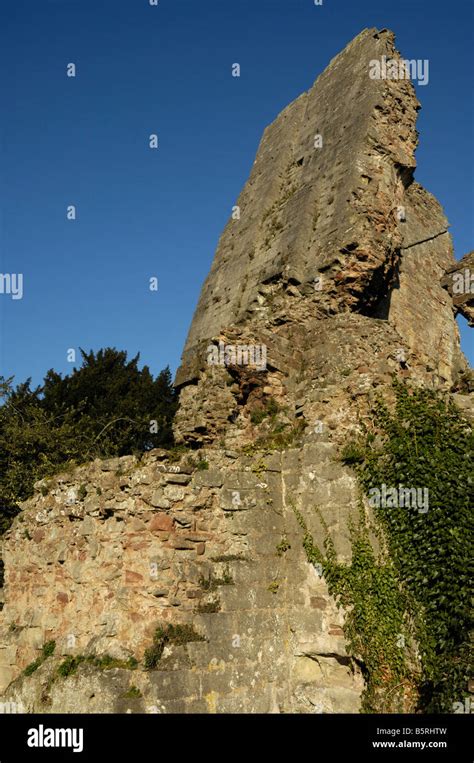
point(144, 213)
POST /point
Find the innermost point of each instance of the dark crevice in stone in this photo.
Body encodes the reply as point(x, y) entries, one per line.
point(375, 301)
point(406, 174)
point(340, 658)
point(349, 247)
point(107, 514)
point(272, 279)
point(425, 240)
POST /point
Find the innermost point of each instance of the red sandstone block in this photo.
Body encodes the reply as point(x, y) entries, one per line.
point(161, 522)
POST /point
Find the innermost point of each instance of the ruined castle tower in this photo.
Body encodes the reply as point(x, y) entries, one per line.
point(332, 227)
point(336, 266)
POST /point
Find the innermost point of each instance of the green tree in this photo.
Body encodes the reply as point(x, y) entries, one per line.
point(106, 407)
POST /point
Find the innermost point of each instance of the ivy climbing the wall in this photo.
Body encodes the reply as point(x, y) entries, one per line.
point(377, 628)
point(420, 442)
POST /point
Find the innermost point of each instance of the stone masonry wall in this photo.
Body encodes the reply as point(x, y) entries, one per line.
point(113, 549)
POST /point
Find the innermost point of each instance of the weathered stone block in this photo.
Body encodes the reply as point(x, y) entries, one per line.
point(209, 478)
